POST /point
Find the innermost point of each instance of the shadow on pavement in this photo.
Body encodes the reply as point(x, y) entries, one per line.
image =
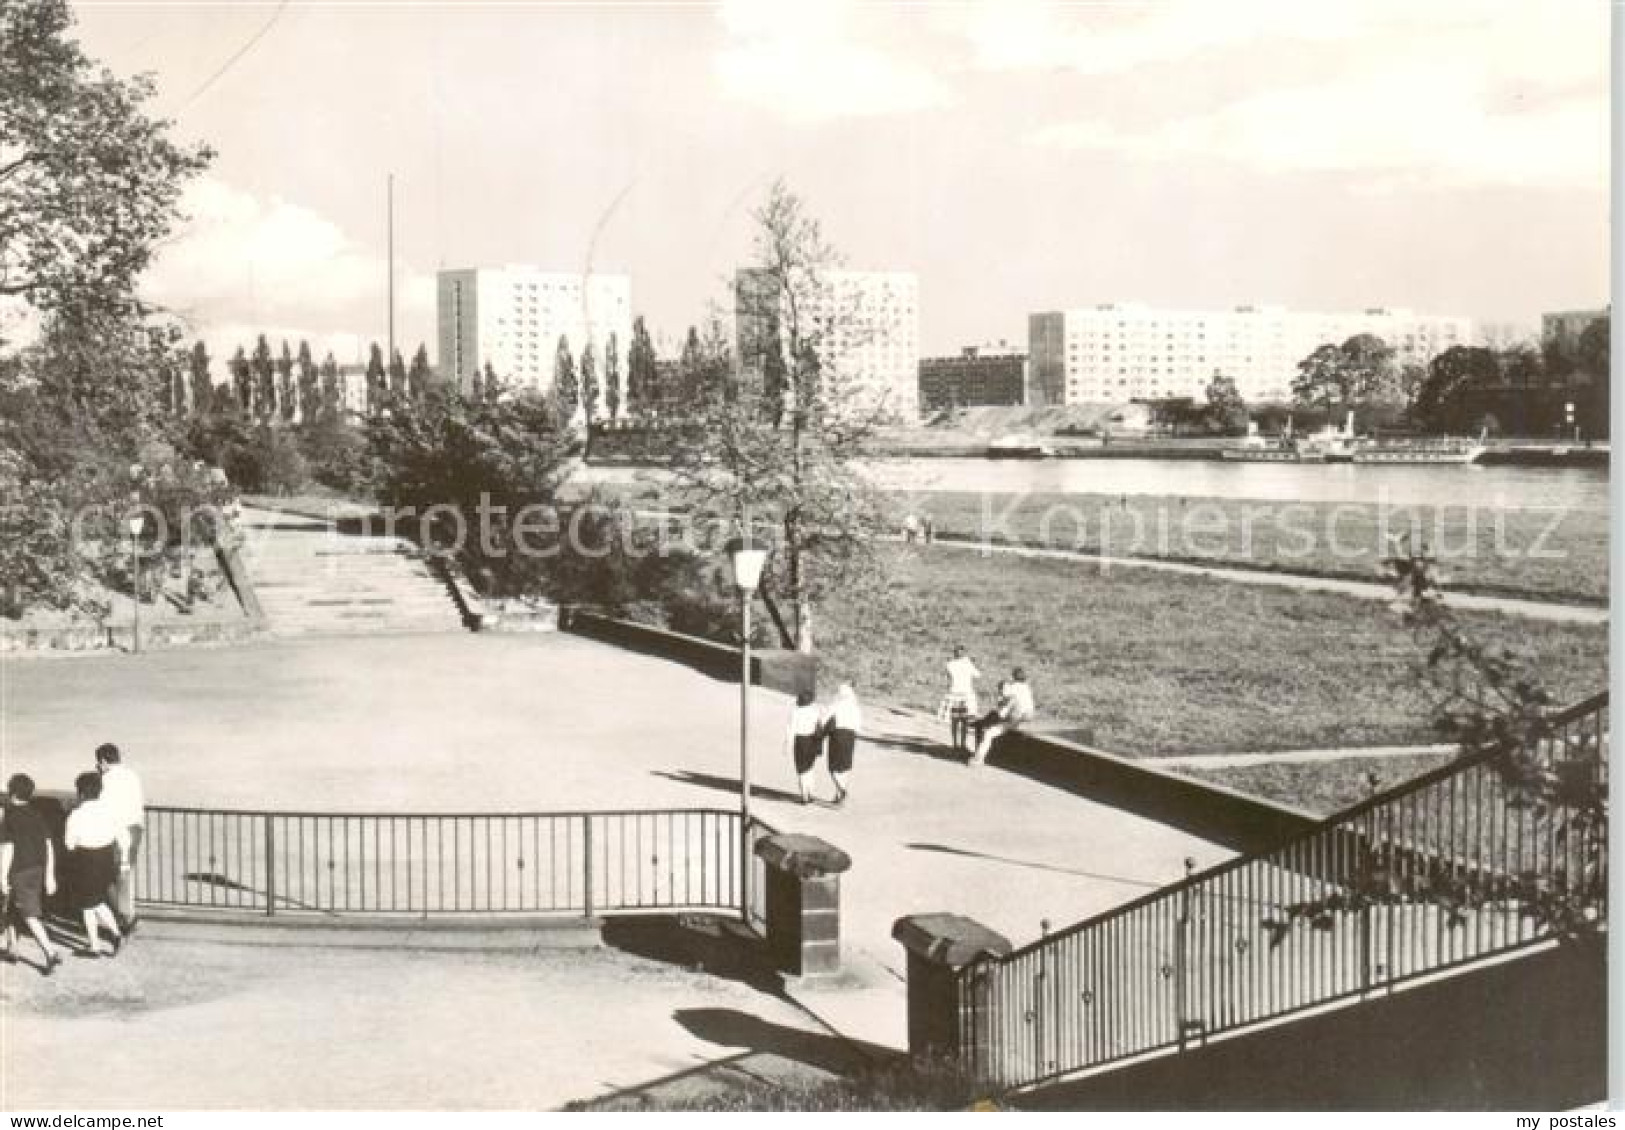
point(731, 1028)
point(968, 854)
point(724, 784)
point(907, 743)
point(701, 944)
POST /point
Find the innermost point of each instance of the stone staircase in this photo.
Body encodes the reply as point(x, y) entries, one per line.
point(310, 579)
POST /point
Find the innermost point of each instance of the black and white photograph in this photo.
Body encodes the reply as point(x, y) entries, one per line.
point(834, 556)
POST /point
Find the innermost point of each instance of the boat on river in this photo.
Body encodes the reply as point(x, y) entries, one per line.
point(1412, 451)
point(1017, 447)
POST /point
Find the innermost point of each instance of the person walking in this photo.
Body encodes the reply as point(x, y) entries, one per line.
point(803, 740)
point(121, 792)
point(1015, 710)
point(96, 843)
point(27, 870)
point(842, 721)
point(958, 706)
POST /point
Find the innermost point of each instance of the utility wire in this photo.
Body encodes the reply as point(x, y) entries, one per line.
point(235, 56)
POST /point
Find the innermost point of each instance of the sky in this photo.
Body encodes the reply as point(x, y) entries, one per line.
point(1448, 157)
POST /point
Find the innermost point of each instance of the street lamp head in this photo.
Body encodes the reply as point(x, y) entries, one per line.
point(747, 562)
point(135, 522)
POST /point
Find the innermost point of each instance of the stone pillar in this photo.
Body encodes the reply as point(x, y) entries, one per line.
point(803, 903)
point(943, 1021)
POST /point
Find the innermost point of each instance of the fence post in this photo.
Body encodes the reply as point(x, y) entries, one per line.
point(270, 865)
point(1181, 945)
point(586, 842)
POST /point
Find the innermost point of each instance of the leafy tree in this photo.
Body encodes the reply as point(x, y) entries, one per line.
point(612, 378)
point(264, 371)
point(332, 397)
point(309, 385)
point(1440, 403)
point(1226, 410)
point(242, 381)
point(493, 384)
point(642, 392)
point(486, 460)
point(202, 383)
point(420, 375)
point(589, 383)
point(691, 367)
point(377, 386)
point(1358, 373)
point(89, 184)
point(287, 402)
point(787, 478)
point(397, 378)
point(565, 388)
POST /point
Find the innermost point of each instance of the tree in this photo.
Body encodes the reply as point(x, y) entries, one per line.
point(287, 402)
point(642, 392)
point(1358, 373)
point(565, 389)
point(1226, 410)
point(493, 385)
point(309, 386)
point(332, 401)
point(420, 375)
point(589, 384)
point(785, 477)
point(397, 378)
point(202, 383)
point(264, 372)
point(377, 388)
point(612, 378)
point(89, 184)
point(242, 381)
point(1441, 402)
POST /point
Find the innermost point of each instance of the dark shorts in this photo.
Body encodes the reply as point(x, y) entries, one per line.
point(91, 874)
point(27, 894)
point(841, 745)
point(806, 751)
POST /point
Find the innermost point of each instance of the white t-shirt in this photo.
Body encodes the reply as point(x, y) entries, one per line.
point(845, 714)
point(121, 793)
point(1018, 703)
point(93, 825)
point(804, 721)
point(962, 676)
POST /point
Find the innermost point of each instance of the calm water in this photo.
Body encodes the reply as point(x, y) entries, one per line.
point(1584, 489)
point(1575, 489)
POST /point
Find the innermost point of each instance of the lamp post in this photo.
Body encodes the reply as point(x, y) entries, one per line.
point(747, 562)
point(134, 522)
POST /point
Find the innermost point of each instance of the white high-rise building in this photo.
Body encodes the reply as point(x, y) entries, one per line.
point(514, 316)
point(1113, 353)
point(867, 325)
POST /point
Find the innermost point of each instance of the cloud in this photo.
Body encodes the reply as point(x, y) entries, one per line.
point(1455, 102)
point(242, 261)
point(809, 63)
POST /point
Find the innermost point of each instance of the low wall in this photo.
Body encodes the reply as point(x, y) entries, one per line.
point(777, 670)
point(1526, 1034)
point(117, 637)
point(1238, 821)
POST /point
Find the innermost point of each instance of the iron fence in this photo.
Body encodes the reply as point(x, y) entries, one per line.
point(1450, 868)
point(559, 863)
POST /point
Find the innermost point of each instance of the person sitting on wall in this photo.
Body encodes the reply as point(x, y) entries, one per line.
point(1015, 710)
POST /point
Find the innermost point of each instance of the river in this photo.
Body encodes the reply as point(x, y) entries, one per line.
point(1495, 487)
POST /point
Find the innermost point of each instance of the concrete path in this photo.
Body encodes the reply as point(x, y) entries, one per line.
point(1532, 609)
point(512, 723)
point(172, 1024)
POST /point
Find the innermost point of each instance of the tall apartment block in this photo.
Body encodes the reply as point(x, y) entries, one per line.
point(514, 316)
point(1114, 352)
point(868, 329)
point(1564, 327)
point(979, 376)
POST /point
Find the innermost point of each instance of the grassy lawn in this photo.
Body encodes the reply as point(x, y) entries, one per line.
point(1320, 786)
point(1539, 553)
point(1145, 663)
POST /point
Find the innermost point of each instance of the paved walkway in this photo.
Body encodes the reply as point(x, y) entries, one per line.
point(512, 723)
point(1532, 609)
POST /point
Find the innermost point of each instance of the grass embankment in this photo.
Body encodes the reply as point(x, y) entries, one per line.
point(1543, 554)
point(1151, 664)
point(1320, 786)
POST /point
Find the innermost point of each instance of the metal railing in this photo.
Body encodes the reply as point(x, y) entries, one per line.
point(549, 863)
point(1447, 869)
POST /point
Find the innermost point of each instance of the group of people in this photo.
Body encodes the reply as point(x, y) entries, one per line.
point(970, 731)
point(816, 729)
point(101, 841)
